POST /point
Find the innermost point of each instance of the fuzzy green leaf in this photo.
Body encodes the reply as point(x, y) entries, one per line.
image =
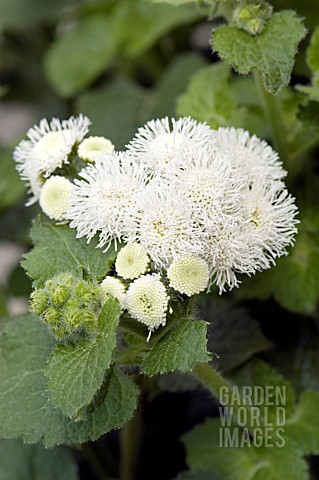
point(57, 250)
point(179, 349)
point(78, 57)
point(75, 371)
point(205, 450)
point(260, 373)
point(303, 427)
point(271, 52)
point(25, 409)
point(210, 98)
point(25, 462)
point(313, 51)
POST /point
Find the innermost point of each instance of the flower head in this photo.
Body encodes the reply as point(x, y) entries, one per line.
point(55, 196)
point(162, 222)
point(252, 156)
point(92, 148)
point(48, 147)
point(132, 261)
point(100, 202)
point(188, 274)
point(147, 301)
point(113, 287)
point(157, 143)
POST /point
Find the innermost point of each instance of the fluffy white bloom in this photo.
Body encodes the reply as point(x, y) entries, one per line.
point(230, 251)
point(188, 274)
point(132, 261)
point(252, 156)
point(270, 212)
point(55, 196)
point(92, 148)
point(162, 222)
point(47, 148)
point(147, 301)
point(100, 202)
point(112, 286)
point(212, 186)
point(157, 143)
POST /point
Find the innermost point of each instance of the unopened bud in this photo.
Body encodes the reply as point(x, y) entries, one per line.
point(252, 16)
point(38, 302)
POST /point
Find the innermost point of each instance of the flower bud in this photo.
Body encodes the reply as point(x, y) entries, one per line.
point(60, 295)
point(38, 302)
point(52, 316)
point(251, 16)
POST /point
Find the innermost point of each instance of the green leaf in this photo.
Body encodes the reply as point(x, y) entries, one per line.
point(210, 98)
point(205, 450)
point(22, 13)
point(152, 22)
point(57, 250)
point(25, 409)
point(311, 91)
point(11, 187)
point(257, 372)
point(77, 58)
point(313, 51)
point(303, 427)
point(120, 119)
point(233, 335)
point(179, 349)
point(75, 371)
point(309, 114)
point(271, 52)
point(129, 106)
point(294, 281)
point(172, 82)
point(25, 462)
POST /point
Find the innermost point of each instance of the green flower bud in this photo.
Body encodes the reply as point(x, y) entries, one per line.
point(86, 293)
point(60, 295)
point(252, 16)
point(73, 317)
point(38, 302)
point(52, 316)
point(58, 331)
point(90, 322)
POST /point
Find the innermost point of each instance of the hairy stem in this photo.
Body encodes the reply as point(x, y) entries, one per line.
point(214, 382)
point(275, 119)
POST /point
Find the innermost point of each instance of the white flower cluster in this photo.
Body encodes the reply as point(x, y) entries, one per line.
point(195, 205)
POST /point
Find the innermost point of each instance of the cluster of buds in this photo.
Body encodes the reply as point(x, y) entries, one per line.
point(67, 306)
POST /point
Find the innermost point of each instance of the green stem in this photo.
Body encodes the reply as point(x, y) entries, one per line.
point(130, 436)
point(275, 119)
point(214, 382)
point(211, 379)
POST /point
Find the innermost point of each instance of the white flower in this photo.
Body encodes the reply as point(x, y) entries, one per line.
point(157, 143)
point(252, 156)
point(55, 196)
point(99, 202)
point(230, 251)
point(92, 148)
point(132, 261)
point(112, 286)
point(271, 214)
point(211, 184)
point(162, 222)
point(147, 301)
point(188, 274)
point(47, 148)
